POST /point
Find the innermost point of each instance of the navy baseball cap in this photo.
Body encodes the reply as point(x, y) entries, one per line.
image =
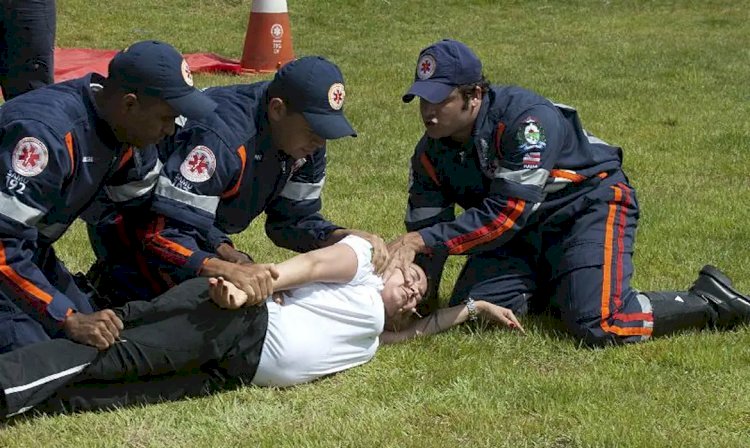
point(442, 67)
point(158, 69)
point(314, 87)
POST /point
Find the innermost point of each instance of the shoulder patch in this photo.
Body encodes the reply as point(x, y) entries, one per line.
point(532, 160)
point(530, 135)
point(199, 165)
point(30, 157)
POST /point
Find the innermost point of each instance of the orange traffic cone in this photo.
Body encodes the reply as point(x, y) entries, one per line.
point(268, 41)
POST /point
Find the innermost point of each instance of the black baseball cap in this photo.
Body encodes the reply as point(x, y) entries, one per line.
point(158, 69)
point(314, 87)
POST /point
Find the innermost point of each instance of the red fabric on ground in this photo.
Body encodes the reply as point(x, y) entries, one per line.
point(75, 62)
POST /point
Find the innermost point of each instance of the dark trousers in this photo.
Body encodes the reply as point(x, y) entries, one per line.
point(180, 344)
point(577, 254)
point(27, 45)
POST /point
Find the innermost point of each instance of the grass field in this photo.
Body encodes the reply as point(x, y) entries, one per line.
point(666, 80)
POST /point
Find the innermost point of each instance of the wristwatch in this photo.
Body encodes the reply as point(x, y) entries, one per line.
point(471, 307)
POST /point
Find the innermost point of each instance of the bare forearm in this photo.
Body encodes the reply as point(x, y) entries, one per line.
point(447, 318)
point(228, 253)
point(293, 273)
point(334, 264)
point(437, 322)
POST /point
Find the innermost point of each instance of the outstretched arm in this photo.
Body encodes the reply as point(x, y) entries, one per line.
point(333, 264)
point(446, 318)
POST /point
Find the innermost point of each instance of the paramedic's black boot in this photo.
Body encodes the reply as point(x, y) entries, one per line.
point(731, 306)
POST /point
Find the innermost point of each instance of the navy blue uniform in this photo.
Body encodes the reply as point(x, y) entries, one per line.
point(27, 45)
point(548, 213)
point(220, 173)
point(56, 154)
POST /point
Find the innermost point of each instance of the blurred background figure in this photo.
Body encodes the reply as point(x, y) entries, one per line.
point(27, 45)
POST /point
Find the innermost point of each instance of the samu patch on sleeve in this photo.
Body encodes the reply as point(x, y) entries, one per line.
point(530, 135)
point(30, 157)
point(199, 165)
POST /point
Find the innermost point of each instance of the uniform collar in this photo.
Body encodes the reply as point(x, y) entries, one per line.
point(481, 129)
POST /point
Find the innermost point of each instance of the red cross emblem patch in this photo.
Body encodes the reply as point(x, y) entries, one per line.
point(426, 67)
point(336, 95)
point(199, 165)
point(30, 157)
point(187, 75)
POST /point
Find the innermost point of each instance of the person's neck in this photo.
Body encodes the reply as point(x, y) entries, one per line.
point(102, 109)
point(465, 134)
point(104, 113)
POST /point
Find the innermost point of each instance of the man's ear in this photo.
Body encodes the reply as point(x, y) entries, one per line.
point(476, 96)
point(276, 109)
point(128, 102)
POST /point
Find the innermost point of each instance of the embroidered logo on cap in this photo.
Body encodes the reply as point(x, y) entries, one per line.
point(30, 157)
point(199, 165)
point(426, 67)
point(187, 75)
point(336, 95)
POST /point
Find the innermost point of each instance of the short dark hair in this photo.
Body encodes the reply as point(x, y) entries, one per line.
point(467, 90)
point(276, 90)
point(113, 88)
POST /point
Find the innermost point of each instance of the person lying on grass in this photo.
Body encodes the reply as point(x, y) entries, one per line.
point(204, 336)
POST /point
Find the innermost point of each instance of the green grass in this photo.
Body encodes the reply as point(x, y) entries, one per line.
point(666, 80)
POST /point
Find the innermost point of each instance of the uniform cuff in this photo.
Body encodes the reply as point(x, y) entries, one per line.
point(431, 243)
point(195, 261)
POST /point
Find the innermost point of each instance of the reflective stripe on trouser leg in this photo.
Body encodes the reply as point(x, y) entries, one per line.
point(30, 375)
point(624, 313)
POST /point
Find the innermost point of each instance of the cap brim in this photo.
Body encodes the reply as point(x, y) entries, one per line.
point(329, 126)
point(193, 105)
point(433, 92)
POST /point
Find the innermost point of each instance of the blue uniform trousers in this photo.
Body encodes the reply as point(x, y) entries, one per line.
point(576, 254)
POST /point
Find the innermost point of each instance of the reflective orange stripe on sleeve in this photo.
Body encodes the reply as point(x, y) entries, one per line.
point(168, 244)
point(569, 175)
point(21, 283)
point(125, 157)
point(243, 157)
point(69, 145)
point(504, 221)
point(429, 168)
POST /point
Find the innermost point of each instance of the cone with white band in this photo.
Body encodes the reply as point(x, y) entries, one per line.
point(268, 41)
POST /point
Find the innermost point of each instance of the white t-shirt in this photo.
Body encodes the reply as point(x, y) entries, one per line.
point(324, 328)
